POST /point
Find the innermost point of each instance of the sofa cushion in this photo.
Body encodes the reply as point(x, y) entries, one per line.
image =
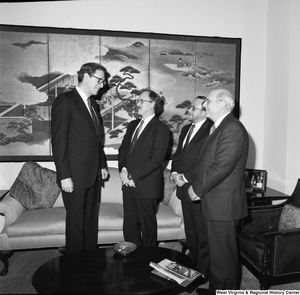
point(52, 220)
point(167, 218)
point(289, 218)
point(111, 216)
point(169, 186)
point(35, 187)
point(39, 222)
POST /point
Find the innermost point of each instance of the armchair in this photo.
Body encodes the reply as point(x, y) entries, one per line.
point(272, 255)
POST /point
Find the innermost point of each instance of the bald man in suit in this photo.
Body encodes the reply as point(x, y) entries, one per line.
point(219, 186)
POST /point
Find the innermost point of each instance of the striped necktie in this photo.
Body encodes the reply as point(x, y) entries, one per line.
point(94, 116)
point(136, 135)
point(189, 136)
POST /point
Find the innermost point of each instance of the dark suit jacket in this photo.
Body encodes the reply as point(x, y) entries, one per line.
point(184, 161)
point(220, 172)
point(144, 163)
point(77, 150)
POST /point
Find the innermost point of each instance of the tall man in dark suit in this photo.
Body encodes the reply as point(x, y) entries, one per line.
point(219, 185)
point(183, 166)
point(141, 154)
point(76, 131)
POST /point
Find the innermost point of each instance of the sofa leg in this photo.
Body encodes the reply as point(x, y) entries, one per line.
point(184, 246)
point(62, 250)
point(4, 255)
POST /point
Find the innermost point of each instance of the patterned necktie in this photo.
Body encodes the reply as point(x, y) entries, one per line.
point(136, 135)
point(212, 129)
point(94, 116)
point(189, 136)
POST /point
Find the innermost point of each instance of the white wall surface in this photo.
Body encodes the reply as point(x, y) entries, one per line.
point(269, 67)
point(292, 96)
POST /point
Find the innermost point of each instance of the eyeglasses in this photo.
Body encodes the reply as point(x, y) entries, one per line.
point(142, 100)
point(194, 108)
point(208, 101)
point(100, 80)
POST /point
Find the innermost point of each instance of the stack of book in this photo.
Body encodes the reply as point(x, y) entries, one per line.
point(173, 271)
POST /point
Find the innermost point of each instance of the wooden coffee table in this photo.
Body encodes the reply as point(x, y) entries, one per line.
point(102, 271)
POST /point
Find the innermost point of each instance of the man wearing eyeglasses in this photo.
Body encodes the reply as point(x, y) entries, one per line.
point(184, 160)
point(219, 186)
point(141, 154)
point(76, 132)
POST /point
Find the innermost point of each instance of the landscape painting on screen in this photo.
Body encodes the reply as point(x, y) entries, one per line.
point(37, 64)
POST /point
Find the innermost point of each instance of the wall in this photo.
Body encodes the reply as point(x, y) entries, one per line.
point(281, 119)
point(293, 118)
point(265, 26)
point(277, 88)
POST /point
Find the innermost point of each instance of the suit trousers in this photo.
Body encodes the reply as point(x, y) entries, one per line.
point(140, 223)
point(222, 250)
point(82, 206)
point(195, 237)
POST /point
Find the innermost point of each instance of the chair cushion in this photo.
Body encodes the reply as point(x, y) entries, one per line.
point(35, 187)
point(289, 218)
point(252, 248)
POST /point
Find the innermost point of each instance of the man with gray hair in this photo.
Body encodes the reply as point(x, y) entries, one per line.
point(219, 185)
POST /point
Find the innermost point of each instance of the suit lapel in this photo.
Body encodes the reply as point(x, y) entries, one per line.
point(145, 132)
point(197, 136)
point(81, 105)
point(183, 135)
point(95, 106)
point(213, 136)
point(83, 109)
point(130, 131)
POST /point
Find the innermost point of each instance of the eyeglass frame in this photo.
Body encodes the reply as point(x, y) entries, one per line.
point(143, 100)
point(194, 108)
point(100, 80)
point(208, 101)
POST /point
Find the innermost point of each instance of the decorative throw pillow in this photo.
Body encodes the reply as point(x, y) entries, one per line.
point(169, 186)
point(289, 218)
point(35, 187)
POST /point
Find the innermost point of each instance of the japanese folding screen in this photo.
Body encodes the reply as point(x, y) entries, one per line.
point(37, 64)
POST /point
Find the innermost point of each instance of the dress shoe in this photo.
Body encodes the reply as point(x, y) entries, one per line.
point(201, 291)
point(203, 279)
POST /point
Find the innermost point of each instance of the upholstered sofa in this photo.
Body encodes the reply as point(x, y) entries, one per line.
point(24, 229)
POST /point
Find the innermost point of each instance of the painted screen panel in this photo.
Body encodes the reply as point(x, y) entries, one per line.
point(36, 64)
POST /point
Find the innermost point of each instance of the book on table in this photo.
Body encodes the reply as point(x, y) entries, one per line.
point(171, 270)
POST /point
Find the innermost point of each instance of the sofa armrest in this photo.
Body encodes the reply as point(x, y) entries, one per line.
point(175, 204)
point(2, 222)
point(10, 211)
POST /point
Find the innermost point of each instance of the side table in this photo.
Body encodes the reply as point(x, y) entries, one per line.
point(266, 198)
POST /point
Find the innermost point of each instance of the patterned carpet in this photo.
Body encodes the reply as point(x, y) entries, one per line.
point(23, 264)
